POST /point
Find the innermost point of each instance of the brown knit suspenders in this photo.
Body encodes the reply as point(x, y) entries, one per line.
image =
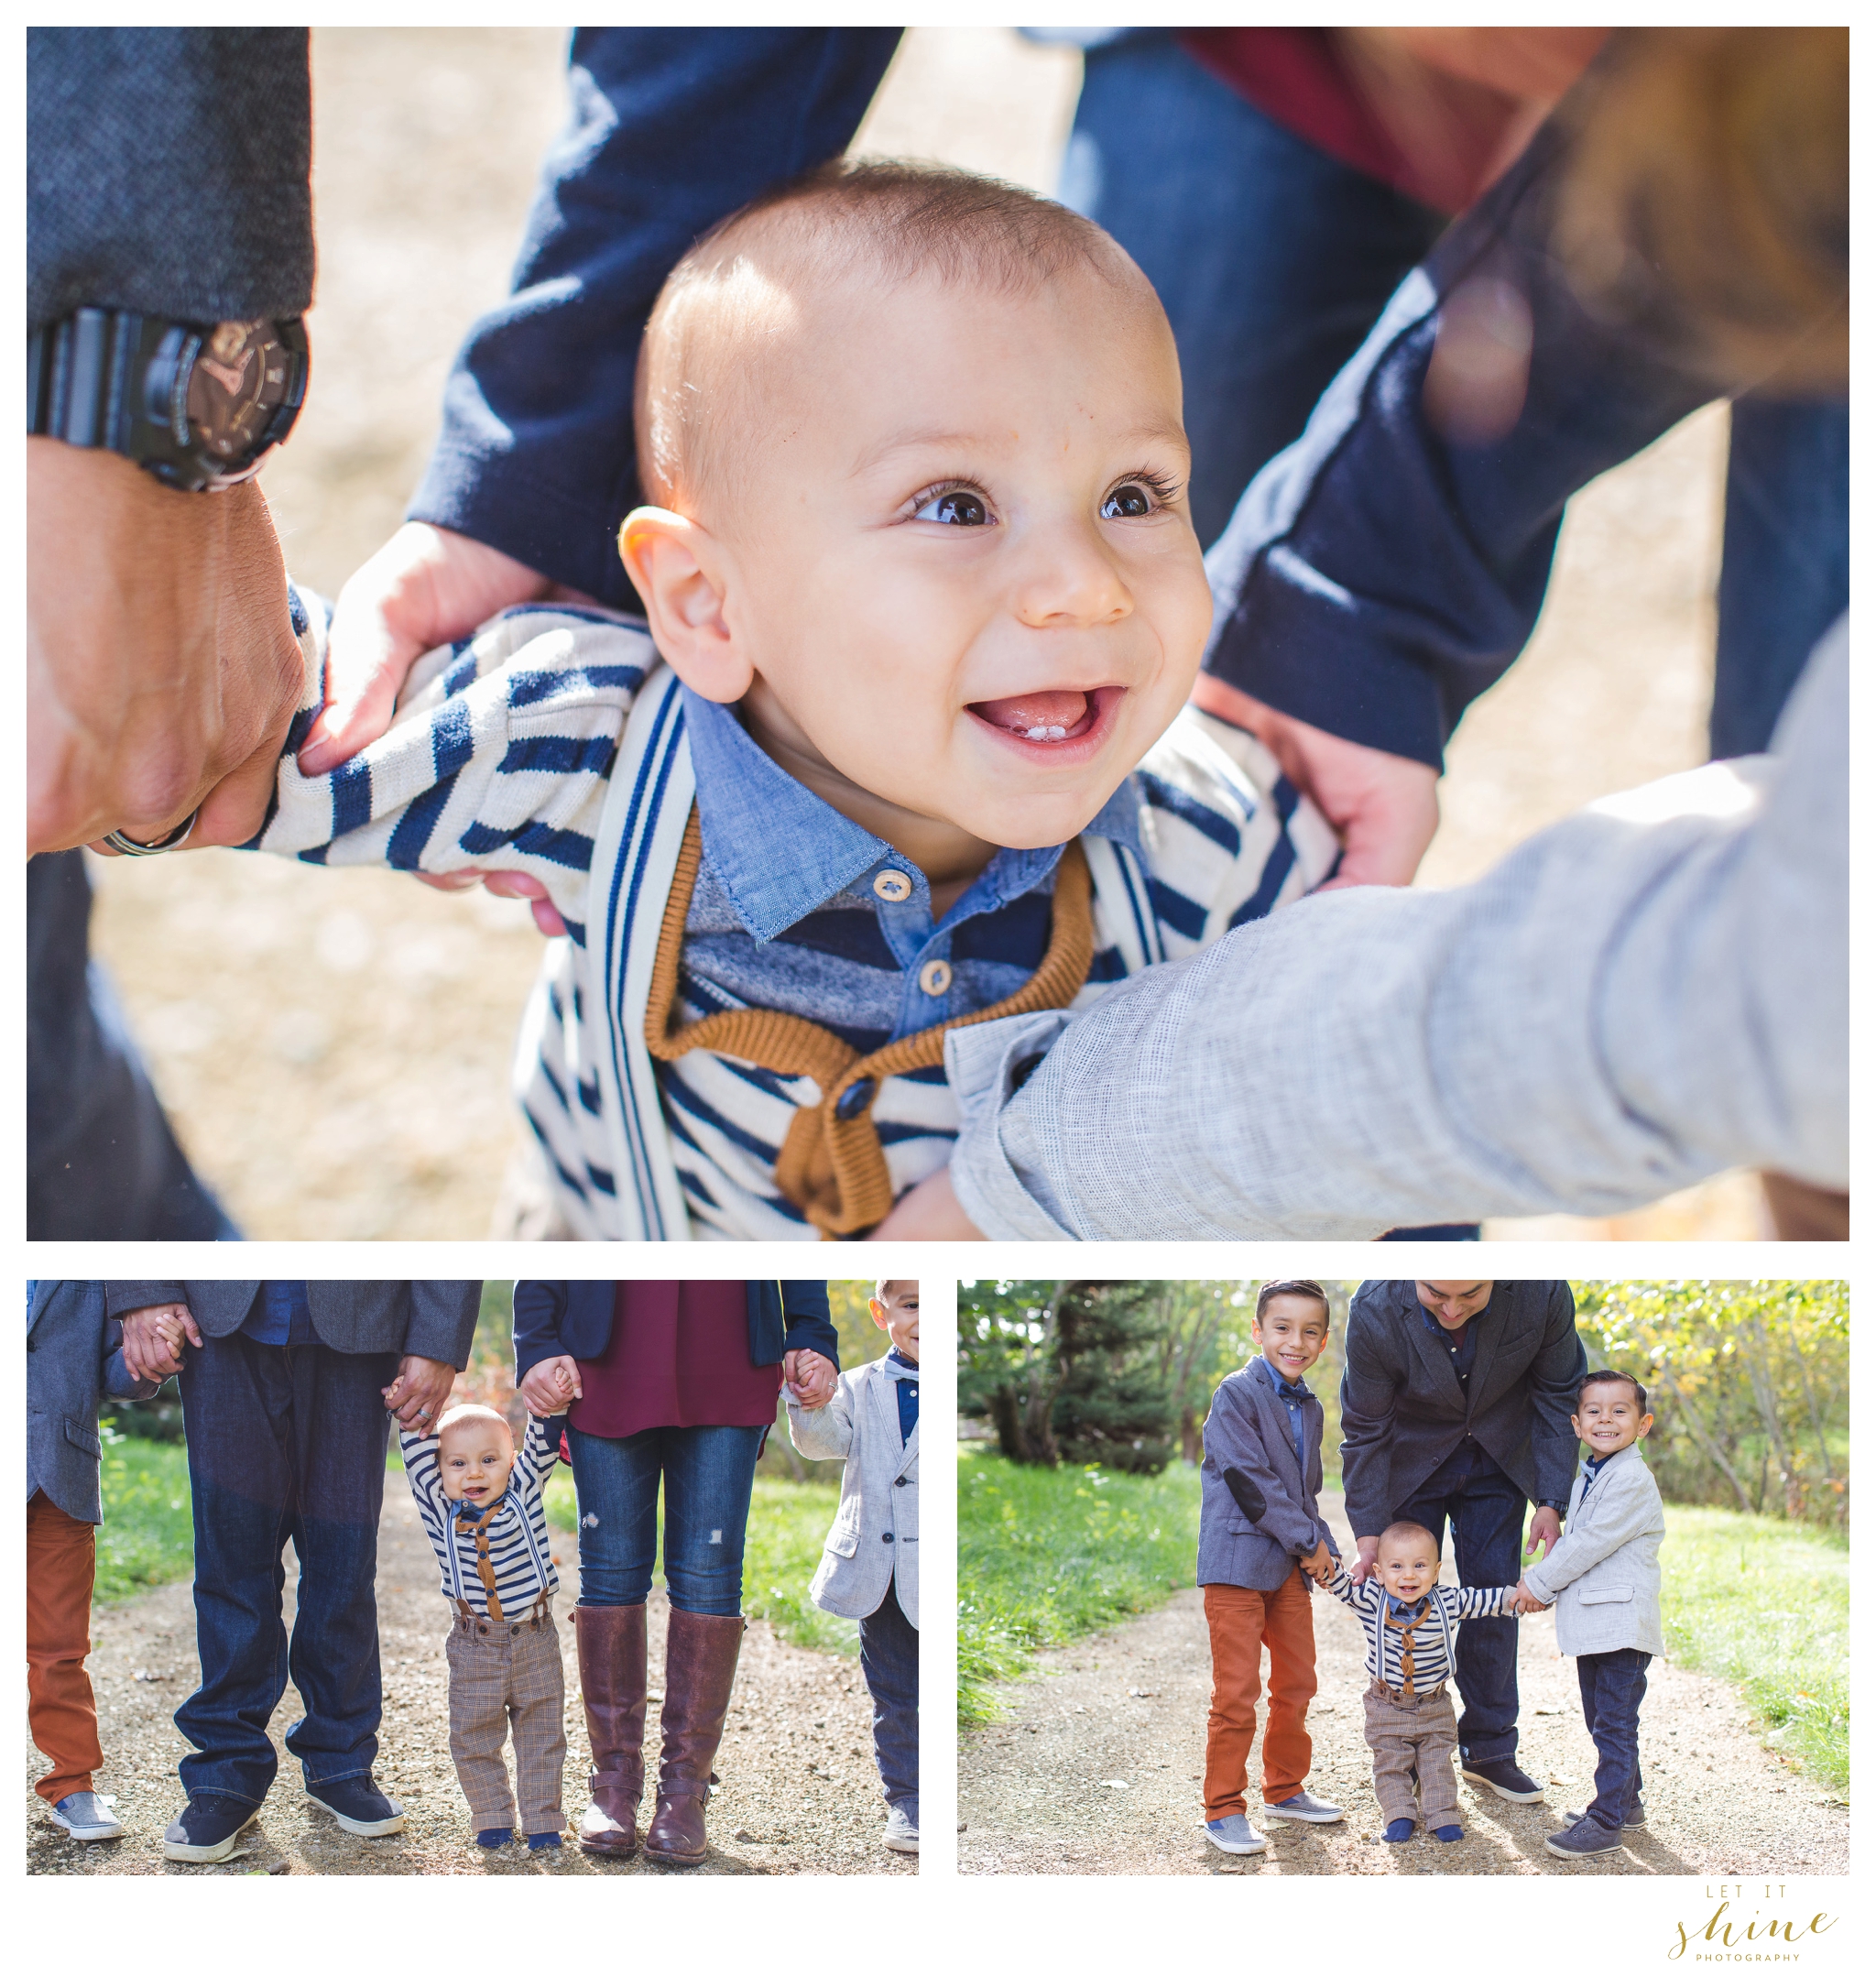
point(484, 1566)
point(831, 1166)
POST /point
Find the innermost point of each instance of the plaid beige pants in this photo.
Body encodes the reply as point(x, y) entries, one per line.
point(507, 1678)
point(1412, 1737)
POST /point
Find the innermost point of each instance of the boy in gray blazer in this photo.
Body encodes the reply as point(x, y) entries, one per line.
point(72, 1357)
point(1258, 1531)
point(1604, 1576)
point(869, 1570)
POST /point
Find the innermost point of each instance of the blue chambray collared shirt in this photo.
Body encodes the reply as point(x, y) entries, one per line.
point(781, 852)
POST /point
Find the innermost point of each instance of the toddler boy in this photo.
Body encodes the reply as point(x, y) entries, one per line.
point(1604, 1576)
point(924, 599)
point(481, 1508)
point(869, 1570)
point(1408, 1618)
point(1259, 1530)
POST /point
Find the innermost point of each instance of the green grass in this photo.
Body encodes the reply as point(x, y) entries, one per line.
point(1046, 1555)
point(788, 1522)
point(147, 1537)
point(1767, 1604)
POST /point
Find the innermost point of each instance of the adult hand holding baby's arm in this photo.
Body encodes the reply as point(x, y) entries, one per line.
point(549, 1387)
point(1366, 1548)
point(154, 1339)
point(416, 1396)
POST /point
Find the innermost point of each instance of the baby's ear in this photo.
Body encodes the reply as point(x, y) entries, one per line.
point(681, 572)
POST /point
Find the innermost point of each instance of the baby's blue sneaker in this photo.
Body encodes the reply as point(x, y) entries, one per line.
point(1234, 1837)
point(493, 1838)
point(544, 1840)
point(1399, 1830)
point(87, 1818)
point(1450, 1832)
point(1303, 1808)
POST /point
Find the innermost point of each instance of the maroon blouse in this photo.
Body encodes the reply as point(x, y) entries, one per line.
point(678, 1355)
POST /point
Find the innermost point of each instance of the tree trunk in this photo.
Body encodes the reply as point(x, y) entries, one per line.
point(1759, 1371)
point(1810, 1397)
point(1696, 1427)
point(1191, 1437)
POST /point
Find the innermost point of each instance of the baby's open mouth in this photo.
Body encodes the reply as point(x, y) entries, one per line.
point(1046, 716)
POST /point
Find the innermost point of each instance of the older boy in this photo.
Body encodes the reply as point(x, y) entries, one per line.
point(1604, 1576)
point(1259, 1530)
point(481, 1506)
point(869, 1570)
point(925, 599)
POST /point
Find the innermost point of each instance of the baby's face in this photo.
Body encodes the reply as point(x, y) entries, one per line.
point(969, 524)
point(1407, 1568)
point(474, 1463)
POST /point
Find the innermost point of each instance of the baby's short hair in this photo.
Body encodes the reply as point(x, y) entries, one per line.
point(895, 221)
point(1410, 1533)
point(1608, 1372)
point(473, 1415)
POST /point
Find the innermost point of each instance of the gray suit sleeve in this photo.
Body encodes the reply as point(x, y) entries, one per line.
point(1369, 1386)
point(1642, 995)
point(1556, 1374)
point(443, 1321)
point(121, 1299)
point(168, 171)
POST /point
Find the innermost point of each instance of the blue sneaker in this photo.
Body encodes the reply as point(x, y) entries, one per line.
point(358, 1806)
point(88, 1818)
point(1234, 1837)
point(207, 1831)
point(1303, 1808)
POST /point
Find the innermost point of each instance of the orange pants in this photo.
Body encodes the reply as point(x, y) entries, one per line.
point(60, 1563)
point(1244, 1624)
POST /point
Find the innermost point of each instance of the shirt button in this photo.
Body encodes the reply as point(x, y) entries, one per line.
point(893, 886)
point(934, 978)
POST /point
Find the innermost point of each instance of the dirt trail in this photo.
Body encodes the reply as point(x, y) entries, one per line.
point(1098, 1766)
point(799, 1793)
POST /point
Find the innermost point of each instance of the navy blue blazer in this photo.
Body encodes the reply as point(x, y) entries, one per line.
point(576, 1320)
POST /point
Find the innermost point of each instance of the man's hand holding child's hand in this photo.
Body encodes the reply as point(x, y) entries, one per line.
point(154, 1340)
point(416, 1396)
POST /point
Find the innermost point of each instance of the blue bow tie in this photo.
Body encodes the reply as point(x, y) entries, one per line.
point(1293, 1390)
point(466, 1511)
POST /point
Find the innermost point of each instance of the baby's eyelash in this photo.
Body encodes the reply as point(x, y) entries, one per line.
point(938, 488)
point(1164, 489)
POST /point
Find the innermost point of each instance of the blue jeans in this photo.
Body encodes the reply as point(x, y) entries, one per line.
point(707, 1471)
point(1274, 260)
point(889, 1659)
point(286, 1443)
point(1486, 1512)
point(1612, 1683)
point(102, 1164)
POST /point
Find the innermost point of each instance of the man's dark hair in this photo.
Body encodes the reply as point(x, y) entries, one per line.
point(1627, 1378)
point(1293, 1287)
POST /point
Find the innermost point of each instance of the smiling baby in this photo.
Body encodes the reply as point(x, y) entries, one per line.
point(905, 745)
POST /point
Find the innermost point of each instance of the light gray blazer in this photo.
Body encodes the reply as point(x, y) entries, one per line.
point(75, 1356)
point(1644, 993)
point(875, 1539)
point(1247, 1439)
point(423, 1319)
point(1604, 1576)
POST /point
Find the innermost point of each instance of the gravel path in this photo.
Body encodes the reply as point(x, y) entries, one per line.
point(1098, 1766)
point(798, 1791)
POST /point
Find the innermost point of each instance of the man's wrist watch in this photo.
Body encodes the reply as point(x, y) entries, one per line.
point(198, 405)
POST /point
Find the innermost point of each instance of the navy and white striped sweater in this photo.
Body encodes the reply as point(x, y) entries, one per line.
point(1433, 1637)
point(517, 1531)
point(502, 757)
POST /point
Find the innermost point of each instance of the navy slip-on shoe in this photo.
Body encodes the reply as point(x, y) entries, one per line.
point(1503, 1779)
point(359, 1807)
point(207, 1831)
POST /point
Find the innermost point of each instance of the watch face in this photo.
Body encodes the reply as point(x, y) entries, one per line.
point(239, 379)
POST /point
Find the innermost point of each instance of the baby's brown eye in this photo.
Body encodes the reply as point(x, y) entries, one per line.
point(1129, 501)
point(954, 508)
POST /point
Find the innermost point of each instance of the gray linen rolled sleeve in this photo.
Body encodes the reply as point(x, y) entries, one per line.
point(1639, 995)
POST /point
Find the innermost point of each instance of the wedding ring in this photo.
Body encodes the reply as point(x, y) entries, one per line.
point(423, 1412)
point(142, 849)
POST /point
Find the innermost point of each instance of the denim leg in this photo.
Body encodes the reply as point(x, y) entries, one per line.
point(1785, 575)
point(236, 1400)
point(102, 1164)
point(1488, 1519)
point(1272, 258)
point(889, 1659)
point(615, 1485)
point(341, 1433)
point(709, 1472)
point(1612, 1683)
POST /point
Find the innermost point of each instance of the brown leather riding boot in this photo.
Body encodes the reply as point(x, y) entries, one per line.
point(700, 1668)
point(612, 1684)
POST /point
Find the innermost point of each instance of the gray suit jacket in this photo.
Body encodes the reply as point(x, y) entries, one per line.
point(1249, 1449)
point(73, 1356)
point(874, 1538)
point(428, 1320)
point(1402, 1412)
point(1604, 1576)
